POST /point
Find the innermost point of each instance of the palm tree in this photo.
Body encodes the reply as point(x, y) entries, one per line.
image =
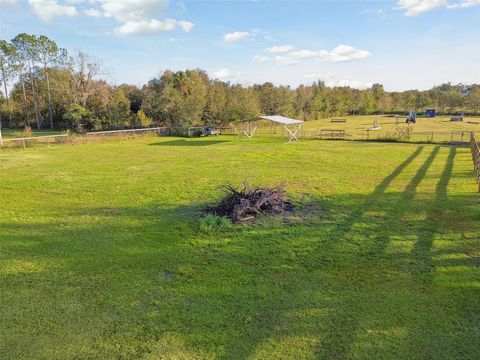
point(182, 82)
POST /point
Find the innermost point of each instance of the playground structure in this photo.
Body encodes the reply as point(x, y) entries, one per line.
point(375, 125)
point(411, 118)
point(457, 118)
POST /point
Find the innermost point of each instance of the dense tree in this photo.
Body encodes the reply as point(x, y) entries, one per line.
point(80, 118)
point(134, 95)
point(7, 71)
point(215, 112)
point(275, 100)
point(176, 99)
point(242, 103)
point(38, 78)
point(26, 48)
point(49, 55)
point(473, 99)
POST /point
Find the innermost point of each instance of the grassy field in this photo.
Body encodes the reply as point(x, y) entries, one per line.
point(356, 127)
point(102, 256)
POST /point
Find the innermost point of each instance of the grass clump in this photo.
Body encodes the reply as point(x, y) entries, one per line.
point(213, 223)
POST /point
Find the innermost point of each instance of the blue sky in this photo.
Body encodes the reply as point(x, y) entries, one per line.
point(403, 44)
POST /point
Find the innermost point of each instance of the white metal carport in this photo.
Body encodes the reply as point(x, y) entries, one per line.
point(292, 126)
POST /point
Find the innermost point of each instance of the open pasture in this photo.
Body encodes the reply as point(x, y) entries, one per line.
point(102, 255)
point(356, 127)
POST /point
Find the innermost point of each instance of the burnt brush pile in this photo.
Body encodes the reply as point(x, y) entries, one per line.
point(245, 204)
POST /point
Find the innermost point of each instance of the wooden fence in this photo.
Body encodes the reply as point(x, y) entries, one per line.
point(475, 158)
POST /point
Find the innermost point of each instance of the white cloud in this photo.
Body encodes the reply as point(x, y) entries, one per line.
point(341, 53)
point(260, 58)
point(185, 26)
point(48, 9)
point(279, 49)
point(151, 26)
point(136, 16)
point(235, 36)
point(379, 12)
point(356, 84)
point(93, 12)
point(133, 10)
point(306, 54)
point(8, 2)
point(286, 60)
point(223, 73)
point(417, 7)
point(464, 4)
point(318, 76)
point(333, 80)
point(344, 53)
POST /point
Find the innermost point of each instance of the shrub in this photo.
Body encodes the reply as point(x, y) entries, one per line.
point(143, 120)
point(80, 118)
point(27, 132)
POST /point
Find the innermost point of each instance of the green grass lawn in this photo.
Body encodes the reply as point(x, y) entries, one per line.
point(102, 257)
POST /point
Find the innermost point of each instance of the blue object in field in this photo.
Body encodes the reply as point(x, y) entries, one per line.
point(430, 113)
point(208, 131)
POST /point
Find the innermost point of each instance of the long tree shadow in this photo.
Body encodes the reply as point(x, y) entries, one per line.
point(184, 142)
point(395, 210)
point(421, 252)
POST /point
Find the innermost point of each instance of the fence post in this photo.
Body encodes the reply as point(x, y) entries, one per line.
point(475, 157)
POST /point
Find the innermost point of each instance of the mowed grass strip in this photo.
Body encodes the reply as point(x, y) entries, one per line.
point(101, 255)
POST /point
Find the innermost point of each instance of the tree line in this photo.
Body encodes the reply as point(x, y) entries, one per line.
point(44, 86)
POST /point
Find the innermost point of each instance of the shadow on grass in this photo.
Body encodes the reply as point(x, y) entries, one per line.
point(140, 274)
point(421, 251)
point(184, 142)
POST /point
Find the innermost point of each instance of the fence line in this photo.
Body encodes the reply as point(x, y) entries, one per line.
point(27, 141)
point(126, 132)
point(450, 137)
point(475, 158)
